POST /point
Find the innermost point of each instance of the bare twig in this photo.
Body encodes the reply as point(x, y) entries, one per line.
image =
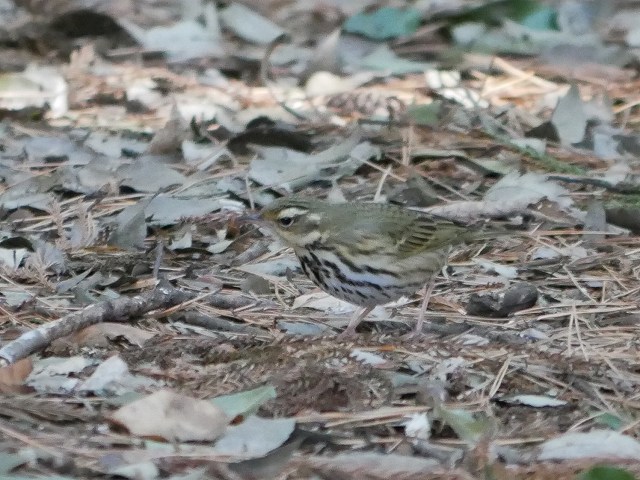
point(119, 309)
point(158, 261)
point(220, 324)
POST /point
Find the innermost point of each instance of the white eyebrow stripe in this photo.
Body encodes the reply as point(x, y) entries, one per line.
point(292, 212)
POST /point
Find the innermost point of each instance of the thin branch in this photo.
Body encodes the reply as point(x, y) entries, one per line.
point(119, 309)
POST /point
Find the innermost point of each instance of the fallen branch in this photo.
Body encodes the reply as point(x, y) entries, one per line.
point(220, 324)
point(119, 309)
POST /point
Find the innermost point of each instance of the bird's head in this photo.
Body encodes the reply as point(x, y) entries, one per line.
point(298, 221)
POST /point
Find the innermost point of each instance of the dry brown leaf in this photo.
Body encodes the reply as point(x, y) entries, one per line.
point(173, 417)
point(15, 373)
point(102, 335)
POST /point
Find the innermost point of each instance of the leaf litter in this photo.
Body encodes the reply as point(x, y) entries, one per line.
point(125, 167)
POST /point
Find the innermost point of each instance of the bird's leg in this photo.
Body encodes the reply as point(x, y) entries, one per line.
point(425, 303)
point(354, 322)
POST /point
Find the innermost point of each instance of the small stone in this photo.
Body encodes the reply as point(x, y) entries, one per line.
point(502, 304)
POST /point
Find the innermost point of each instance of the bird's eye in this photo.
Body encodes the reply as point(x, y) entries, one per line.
point(286, 221)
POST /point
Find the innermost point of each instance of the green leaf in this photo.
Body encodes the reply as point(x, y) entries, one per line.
point(383, 58)
point(543, 19)
point(384, 23)
point(425, 114)
point(245, 403)
point(9, 461)
point(605, 472)
point(610, 420)
point(496, 12)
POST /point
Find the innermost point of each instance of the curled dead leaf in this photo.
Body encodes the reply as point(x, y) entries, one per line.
point(14, 374)
point(171, 416)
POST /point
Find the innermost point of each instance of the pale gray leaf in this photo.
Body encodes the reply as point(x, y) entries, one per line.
point(55, 149)
point(569, 117)
point(326, 56)
point(12, 257)
point(112, 377)
point(149, 175)
point(36, 86)
point(418, 426)
point(524, 190)
point(384, 59)
point(137, 471)
point(183, 239)
point(181, 41)
point(51, 374)
point(536, 401)
point(249, 25)
point(92, 177)
point(606, 143)
point(15, 297)
point(131, 227)
point(111, 370)
point(303, 328)
point(327, 83)
point(245, 403)
point(219, 247)
point(255, 437)
point(39, 201)
point(603, 444)
point(112, 146)
point(291, 169)
point(277, 267)
point(203, 156)
point(32, 192)
point(166, 210)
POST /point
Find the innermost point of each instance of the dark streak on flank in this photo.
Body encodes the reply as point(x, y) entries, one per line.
point(344, 279)
point(312, 269)
point(317, 270)
point(318, 246)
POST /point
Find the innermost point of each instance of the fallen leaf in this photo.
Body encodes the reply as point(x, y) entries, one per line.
point(292, 169)
point(536, 401)
point(569, 117)
point(255, 437)
point(384, 23)
point(183, 40)
point(101, 335)
point(172, 417)
point(52, 374)
point(605, 444)
point(249, 25)
point(15, 373)
point(244, 403)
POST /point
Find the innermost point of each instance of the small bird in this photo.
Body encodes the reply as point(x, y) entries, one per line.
point(367, 254)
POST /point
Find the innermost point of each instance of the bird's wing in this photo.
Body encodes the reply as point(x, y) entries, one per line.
point(365, 228)
point(426, 233)
point(403, 232)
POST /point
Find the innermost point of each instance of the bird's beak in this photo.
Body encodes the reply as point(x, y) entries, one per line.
point(253, 217)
